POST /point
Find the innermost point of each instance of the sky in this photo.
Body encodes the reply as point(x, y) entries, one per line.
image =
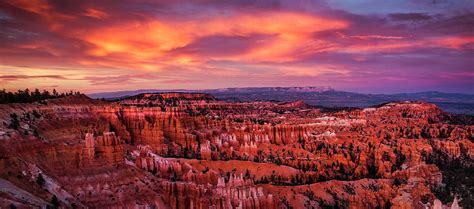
point(367, 46)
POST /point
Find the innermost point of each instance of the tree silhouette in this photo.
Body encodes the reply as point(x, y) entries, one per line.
point(40, 180)
point(55, 201)
point(26, 96)
point(14, 123)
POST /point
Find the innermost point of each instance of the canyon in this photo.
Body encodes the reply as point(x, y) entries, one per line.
point(191, 150)
point(321, 96)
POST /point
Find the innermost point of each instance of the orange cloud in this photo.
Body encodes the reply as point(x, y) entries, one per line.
point(391, 44)
point(95, 13)
point(154, 39)
point(368, 37)
point(40, 7)
point(456, 42)
point(44, 10)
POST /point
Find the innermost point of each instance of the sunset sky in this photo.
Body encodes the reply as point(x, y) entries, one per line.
point(370, 46)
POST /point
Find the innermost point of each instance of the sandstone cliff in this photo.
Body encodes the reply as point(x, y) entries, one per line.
point(177, 150)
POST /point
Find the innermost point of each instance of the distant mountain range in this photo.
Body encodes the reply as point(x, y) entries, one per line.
point(321, 96)
point(119, 94)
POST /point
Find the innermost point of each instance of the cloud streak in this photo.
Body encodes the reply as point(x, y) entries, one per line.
point(26, 77)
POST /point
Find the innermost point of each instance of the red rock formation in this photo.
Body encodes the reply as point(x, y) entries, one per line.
point(176, 150)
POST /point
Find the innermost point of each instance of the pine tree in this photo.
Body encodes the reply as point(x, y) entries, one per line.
point(14, 123)
point(25, 96)
point(40, 180)
point(55, 201)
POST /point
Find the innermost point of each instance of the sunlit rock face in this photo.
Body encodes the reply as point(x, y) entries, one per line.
point(176, 150)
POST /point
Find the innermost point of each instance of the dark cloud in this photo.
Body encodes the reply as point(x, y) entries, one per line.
point(456, 24)
point(410, 16)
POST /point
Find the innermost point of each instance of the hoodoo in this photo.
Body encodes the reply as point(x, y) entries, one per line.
point(189, 150)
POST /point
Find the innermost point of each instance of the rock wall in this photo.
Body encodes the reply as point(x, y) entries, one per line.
point(191, 151)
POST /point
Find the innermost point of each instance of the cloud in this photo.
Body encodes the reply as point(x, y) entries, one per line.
point(221, 45)
point(26, 77)
point(118, 79)
point(410, 16)
point(213, 43)
point(281, 34)
point(95, 13)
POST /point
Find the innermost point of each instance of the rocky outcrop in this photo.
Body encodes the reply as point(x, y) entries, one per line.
point(176, 150)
